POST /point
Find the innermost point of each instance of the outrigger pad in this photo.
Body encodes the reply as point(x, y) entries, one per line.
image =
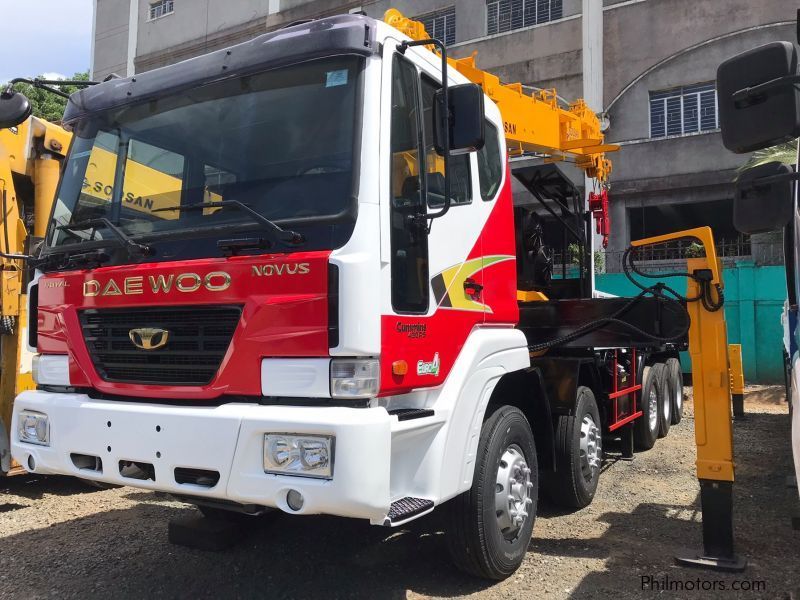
point(201, 533)
point(734, 564)
point(716, 502)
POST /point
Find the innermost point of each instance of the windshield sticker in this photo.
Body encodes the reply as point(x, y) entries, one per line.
point(429, 368)
point(336, 78)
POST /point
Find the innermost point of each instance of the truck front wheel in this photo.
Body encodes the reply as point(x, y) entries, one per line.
point(579, 454)
point(490, 525)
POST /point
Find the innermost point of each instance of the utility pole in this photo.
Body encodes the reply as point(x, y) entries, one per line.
point(592, 37)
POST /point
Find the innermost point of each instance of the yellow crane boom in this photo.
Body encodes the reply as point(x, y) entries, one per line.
point(532, 123)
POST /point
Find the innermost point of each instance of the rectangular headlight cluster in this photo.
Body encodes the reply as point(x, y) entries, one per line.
point(51, 369)
point(298, 454)
point(355, 377)
point(33, 428)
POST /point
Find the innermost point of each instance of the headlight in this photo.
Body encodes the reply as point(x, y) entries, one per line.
point(34, 428)
point(50, 369)
point(355, 378)
point(305, 455)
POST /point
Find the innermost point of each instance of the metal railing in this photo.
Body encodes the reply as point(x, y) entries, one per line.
point(673, 255)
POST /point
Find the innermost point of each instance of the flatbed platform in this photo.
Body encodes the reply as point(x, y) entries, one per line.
point(542, 321)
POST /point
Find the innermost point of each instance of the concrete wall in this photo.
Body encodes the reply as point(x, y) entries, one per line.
point(640, 35)
point(207, 25)
point(630, 111)
point(111, 38)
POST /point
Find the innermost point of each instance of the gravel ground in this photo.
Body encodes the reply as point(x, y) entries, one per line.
point(59, 538)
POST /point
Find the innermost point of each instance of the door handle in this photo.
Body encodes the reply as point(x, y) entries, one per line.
point(472, 288)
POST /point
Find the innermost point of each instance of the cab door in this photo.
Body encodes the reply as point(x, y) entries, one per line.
point(435, 276)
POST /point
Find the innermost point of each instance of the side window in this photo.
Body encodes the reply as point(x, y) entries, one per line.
point(434, 164)
point(409, 241)
point(490, 164)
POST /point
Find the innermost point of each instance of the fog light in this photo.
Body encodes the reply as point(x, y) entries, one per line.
point(295, 500)
point(294, 454)
point(355, 378)
point(34, 428)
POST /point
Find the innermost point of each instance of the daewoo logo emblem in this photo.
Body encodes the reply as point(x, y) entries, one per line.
point(149, 338)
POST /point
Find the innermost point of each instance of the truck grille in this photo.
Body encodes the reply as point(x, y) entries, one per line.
point(198, 339)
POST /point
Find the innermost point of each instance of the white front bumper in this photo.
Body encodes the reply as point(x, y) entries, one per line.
point(227, 439)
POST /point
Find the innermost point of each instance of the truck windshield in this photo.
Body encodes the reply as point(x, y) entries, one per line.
point(282, 142)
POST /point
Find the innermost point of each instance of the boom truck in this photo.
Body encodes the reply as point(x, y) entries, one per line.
point(330, 303)
point(31, 153)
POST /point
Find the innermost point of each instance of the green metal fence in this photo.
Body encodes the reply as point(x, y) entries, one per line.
point(754, 297)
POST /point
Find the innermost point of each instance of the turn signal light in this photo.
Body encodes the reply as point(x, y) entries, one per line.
point(399, 367)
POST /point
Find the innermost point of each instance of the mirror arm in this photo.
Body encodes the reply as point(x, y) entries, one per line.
point(402, 47)
point(765, 181)
point(749, 93)
point(44, 84)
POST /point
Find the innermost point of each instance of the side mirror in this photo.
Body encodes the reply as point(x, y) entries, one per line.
point(763, 199)
point(14, 109)
point(759, 103)
point(466, 119)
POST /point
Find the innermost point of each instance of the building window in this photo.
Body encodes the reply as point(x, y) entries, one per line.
point(687, 109)
point(507, 15)
point(161, 9)
point(441, 24)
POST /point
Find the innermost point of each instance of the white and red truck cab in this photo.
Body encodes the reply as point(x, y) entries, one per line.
point(260, 311)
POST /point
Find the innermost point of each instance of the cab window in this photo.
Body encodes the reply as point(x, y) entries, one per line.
point(408, 240)
point(490, 164)
point(434, 163)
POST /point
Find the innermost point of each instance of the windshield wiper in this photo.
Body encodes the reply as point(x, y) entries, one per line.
point(66, 259)
point(133, 247)
point(278, 234)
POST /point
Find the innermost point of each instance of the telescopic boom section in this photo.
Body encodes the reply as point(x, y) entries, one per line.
point(532, 123)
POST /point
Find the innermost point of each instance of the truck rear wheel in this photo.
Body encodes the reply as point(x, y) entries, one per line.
point(490, 525)
point(675, 388)
point(645, 428)
point(664, 400)
point(579, 454)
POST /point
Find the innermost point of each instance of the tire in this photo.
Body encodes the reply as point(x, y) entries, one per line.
point(645, 428)
point(579, 454)
point(675, 388)
point(483, 537)
point(664, 400)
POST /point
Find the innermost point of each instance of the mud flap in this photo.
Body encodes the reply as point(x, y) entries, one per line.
point(5, 449)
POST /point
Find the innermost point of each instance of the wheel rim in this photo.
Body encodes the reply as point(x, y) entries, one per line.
point(665, 407)
point(679, 396)
point(590, 447)
point(512, 492)
point(652, 402)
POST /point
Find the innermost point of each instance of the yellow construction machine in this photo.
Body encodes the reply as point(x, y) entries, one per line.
point(30, 161)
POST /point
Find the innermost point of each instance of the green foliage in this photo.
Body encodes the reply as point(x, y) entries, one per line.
point(694, 250)
point(785, 153)
point(47, 105)
point(599, 261)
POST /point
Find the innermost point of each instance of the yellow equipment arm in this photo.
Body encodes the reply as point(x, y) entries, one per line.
point(532, 123)
point(713, 428)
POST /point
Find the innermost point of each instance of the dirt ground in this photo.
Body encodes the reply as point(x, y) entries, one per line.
point(60, 539)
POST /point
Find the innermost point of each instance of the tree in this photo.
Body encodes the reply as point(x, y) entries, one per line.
point(785, 153)
point(47, 105)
